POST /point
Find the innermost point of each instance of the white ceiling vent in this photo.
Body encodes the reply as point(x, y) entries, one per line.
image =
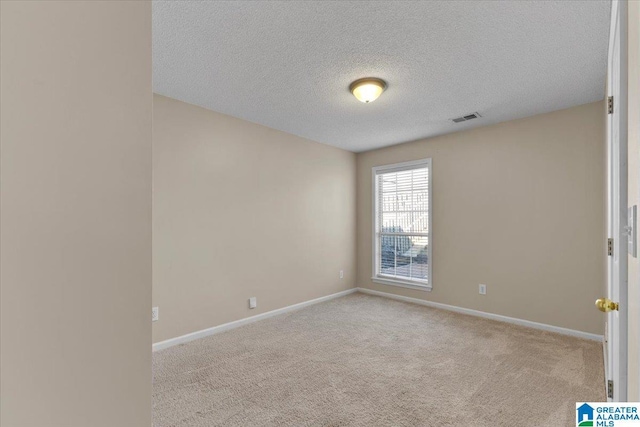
point(465, 118)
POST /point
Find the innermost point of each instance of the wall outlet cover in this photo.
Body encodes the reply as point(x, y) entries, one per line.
point(342, 274)
point(482, 289)
point(155, 314)
point(253, 303)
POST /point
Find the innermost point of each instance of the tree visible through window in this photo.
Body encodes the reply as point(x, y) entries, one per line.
point(402, 223)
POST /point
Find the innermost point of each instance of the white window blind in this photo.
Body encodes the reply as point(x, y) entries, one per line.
point(402, 250)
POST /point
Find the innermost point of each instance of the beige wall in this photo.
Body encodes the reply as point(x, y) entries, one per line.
point(516, 206)
point(75, 281)
point(239, 211)
point(633, 47)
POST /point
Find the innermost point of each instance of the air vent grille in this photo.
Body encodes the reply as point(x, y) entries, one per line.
point(466, 118)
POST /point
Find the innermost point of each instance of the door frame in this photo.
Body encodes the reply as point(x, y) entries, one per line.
point(617, 274)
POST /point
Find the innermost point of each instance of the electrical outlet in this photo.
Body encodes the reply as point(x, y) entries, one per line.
point(253, 302)
point(482, 289)
point(155, 314)
point(342, 274)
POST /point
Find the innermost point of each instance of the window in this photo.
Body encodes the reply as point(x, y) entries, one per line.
point(402, 224)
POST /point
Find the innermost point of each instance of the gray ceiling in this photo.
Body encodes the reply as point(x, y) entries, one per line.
point(288, 65)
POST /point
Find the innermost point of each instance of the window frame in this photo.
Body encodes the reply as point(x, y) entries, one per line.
point(397, 167)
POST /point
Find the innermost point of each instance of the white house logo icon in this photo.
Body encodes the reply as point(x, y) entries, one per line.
point(585, 415)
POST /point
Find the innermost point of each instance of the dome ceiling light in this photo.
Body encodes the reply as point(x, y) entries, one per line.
point(368, 89)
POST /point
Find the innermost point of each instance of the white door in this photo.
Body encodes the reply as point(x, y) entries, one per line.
point(616, 327)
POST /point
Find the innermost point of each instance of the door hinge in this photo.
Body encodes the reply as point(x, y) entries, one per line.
point(610, 104)
point(610, 247)
point(610, 388)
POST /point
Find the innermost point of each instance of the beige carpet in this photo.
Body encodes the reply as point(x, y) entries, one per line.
point(367, 361)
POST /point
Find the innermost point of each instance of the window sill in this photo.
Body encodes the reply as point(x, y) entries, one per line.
point(402, 284)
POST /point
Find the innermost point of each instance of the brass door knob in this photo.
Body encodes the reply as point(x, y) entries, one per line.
point(605, 304)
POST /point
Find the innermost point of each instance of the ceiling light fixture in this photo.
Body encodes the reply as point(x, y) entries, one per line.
point(368, 89)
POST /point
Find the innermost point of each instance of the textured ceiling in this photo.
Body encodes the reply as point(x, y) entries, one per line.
point(288, 65)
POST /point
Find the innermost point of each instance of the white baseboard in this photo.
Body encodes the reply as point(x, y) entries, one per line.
point(498, 317)
point(232, 325)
